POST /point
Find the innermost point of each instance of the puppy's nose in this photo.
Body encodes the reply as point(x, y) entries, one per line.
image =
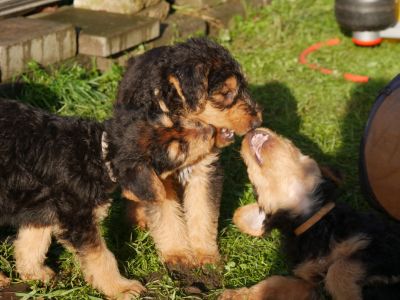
point(258, 118)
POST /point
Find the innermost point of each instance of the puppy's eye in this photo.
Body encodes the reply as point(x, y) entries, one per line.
point(176, 151)
point(229, 97)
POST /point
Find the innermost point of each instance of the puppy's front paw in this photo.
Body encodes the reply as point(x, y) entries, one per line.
point(179, 259)
point(202, 257)
point(42, 273)
point(129, 289)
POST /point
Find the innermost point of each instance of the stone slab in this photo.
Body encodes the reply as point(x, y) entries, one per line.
point(175, 28)
point(178, 27)
point(23, 40)
point(197, 3)
point(105, 34)
point(113, 6)
point(105, 63)
point(222, 15)
point(158, 11)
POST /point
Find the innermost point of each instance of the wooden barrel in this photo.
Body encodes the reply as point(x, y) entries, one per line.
point(380, 152)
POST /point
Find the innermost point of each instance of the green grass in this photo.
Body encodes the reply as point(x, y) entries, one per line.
point(324, 115)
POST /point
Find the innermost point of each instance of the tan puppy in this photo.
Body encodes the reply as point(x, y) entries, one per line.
point(355, 255)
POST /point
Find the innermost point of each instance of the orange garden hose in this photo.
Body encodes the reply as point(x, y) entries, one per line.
point(332, 42)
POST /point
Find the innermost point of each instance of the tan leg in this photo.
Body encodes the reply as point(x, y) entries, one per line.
point(342, 280)
point(202, 211)
point(168, 229)
point(136, 213)
point(311, 270)
point(30, 250)
point(4, 280)
point(249, 219)
point(273, 288)
point(101, 271)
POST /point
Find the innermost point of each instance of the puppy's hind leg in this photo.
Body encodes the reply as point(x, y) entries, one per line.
point(343, 279)
point(4, 280)
point(274, 288)
point(99, 265)
point(30, 249)
point(201, 201)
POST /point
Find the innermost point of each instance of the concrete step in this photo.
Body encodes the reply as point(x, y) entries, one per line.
point(104, 34)
point(176, 27)
point(197, 3)
point(116, 6)
point(222, 15)
point(23, 40)
point(158, 11)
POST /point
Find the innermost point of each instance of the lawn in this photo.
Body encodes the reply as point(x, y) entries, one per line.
point(324, 115)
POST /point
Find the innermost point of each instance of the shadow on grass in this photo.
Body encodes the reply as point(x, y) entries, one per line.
point(280, 114)
point(37, 95)
point(118, 231)
point(352, 129)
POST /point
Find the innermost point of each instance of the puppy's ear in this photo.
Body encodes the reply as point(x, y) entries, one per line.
point(332, 181)
point(191, 84)
point(141, 183)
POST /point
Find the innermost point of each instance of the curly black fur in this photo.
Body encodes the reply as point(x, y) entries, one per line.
point(55, 172)
point(184, 81)
point(201, 67)
point(380, 257)
point(49, 167)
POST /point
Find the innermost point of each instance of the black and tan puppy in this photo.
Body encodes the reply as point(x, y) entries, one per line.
point(355, 255)
point(56, 174)
point(195, 79)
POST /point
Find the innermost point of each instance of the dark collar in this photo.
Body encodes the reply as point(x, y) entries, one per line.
point(314, 218)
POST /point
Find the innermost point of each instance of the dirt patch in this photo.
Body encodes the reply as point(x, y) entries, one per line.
point(202, 279)
point(8, 293)
point(197, 281)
